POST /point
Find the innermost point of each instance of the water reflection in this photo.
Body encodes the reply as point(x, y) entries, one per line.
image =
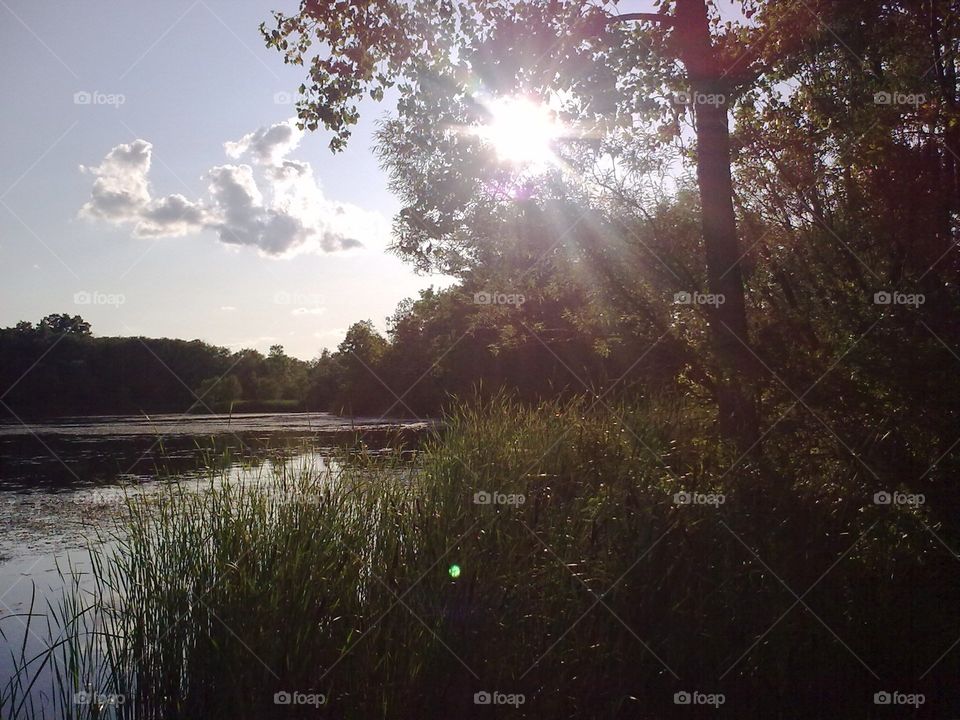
point(63, 485)
point(105, 450)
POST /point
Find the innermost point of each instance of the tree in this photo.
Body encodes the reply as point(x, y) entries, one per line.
point(322, 382)
point(286, 375)
point(436, 53)
point(695, 48)
point(362, 387)
point(219, 391)
point(64, 323)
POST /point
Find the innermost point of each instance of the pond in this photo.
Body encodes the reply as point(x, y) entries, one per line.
point(63, 481)
point(51, 471)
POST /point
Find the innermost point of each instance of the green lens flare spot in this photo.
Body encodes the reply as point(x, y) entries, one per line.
point(454, 571)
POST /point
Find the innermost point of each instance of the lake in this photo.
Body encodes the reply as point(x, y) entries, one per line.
point(49, 471)
point(62, 481)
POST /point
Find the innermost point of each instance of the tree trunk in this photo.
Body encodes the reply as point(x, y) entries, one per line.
point(736, 387)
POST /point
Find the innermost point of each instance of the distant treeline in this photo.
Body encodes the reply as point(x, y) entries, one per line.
point(444, 344)
point(57, 367)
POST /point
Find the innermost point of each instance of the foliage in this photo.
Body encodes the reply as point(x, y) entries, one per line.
point(596, 596)
point(58, 368)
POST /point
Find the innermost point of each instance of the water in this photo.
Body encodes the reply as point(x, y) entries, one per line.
point(48, 470)
point(62, 483)
point(95, 450)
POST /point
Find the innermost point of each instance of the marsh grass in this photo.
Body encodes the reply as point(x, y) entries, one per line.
point(597, 596)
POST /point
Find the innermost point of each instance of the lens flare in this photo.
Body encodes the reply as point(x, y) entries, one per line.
point(521, 132)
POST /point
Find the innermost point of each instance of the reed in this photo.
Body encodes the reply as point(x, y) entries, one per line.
point(539, 553)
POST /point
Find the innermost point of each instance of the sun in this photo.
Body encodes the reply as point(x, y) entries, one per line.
point(522, 132)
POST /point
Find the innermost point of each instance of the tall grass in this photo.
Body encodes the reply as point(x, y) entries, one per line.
point(387, 588)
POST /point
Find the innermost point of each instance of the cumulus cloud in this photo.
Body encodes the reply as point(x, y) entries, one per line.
point(274, 204)
point(121, 194)
point(267, 146)
point(120, 190)
point(297, 218)
point(172, 215)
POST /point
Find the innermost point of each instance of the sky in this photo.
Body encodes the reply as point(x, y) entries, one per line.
point(153, 183)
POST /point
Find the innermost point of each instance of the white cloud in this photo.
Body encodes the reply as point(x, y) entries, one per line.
point(281, 226)
point(173, 215)
point(275, 205)
point(267, 146)
point(121, 194)
point(120, 190)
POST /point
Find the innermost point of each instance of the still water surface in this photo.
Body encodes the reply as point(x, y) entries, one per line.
point(63, 481)
point(52, 474)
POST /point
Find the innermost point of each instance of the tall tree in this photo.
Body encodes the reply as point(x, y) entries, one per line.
point(711, 86)
point(444, 55)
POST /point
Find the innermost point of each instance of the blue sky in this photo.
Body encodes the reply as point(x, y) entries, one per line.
point(192, 75)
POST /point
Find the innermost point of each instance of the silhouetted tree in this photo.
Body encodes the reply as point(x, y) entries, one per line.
point(63, 323)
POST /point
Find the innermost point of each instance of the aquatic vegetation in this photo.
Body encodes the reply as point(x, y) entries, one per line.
point(569, 561)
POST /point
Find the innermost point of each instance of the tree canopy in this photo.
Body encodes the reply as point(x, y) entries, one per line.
point(832, 108)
